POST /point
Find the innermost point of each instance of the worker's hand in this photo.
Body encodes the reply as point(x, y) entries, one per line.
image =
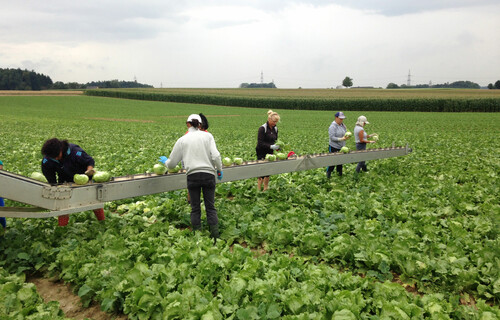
point(219, 174)
point(343, 138)
point(275, 146)
point(90, 172)
point(163, 159)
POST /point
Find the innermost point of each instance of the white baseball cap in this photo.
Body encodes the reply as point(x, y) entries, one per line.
point(362, 119)
point(194, 116)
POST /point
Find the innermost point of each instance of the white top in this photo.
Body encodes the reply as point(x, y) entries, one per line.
point(357, 129)
point(197, 150)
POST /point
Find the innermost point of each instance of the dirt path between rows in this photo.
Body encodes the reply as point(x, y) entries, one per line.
point(7, 93)
point(119, 120)
point(69, 302)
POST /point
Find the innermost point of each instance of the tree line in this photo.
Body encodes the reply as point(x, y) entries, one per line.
point(455, 85)
point(17, 79)
point(258, 85)
point(108, 84)
point(494, 86)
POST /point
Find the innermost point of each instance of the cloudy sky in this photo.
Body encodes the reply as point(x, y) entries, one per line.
point(222, 43)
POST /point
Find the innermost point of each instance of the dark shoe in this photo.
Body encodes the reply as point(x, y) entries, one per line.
point(196, 228)
point(214, 231)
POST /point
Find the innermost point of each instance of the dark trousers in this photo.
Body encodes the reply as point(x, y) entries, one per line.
point(329, 170)
point(3, 222)
point(361, 165)
point(196, 183)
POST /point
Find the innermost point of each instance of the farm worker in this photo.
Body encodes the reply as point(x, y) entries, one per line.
point(360, 137)
point(61, 161)
point(3, 222)
point(203, 127)
point(266, 137)
point(336, 132)
point(204, 122)
point(202, 161)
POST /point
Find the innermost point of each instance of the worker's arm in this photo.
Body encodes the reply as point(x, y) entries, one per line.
point(49, 173)
point(361, 136)
point(215, 154)
point(175, 156)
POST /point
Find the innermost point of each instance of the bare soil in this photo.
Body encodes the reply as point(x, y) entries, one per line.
point(54, 290)
point(211, 115)
point(4, 93)
point(121, 120)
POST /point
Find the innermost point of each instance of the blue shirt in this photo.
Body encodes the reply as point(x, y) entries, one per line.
point(74, 161)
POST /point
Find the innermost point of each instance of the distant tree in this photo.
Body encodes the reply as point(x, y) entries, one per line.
point(490, 86)
point(59, 85)
point(74, 85)
point(17, 79)
point(392, 86)
point(347, 82)
point(258, 85)
point(458, 84)
point(116, 84)
point(497, 84)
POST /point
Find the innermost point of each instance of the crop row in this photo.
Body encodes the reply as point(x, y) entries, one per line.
point(300, 103)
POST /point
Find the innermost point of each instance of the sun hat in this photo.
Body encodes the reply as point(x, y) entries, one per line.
point(194, 116)
point(361, 120)
point(340, 115)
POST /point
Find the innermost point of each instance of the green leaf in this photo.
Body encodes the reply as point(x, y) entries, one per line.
point(23, 256)
point(273, 311)
point(84, 290)
point(25, 293)
point(343, 314)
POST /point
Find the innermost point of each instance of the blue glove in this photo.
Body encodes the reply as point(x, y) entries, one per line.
point(275, 146)
point(219, 175)
point(163, 159)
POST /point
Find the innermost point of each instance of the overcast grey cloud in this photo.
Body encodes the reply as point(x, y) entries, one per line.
point(220, 43)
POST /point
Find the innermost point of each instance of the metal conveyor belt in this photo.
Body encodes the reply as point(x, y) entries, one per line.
point(51, 201)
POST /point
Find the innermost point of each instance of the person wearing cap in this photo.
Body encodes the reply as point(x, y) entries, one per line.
point(202, 161)
point(336, 132)
point(266, 138)
point(3, 221)
point(61, 161)
point(361, 139)
point(203, 127)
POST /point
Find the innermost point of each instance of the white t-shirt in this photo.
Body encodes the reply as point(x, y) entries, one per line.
point(357, 129)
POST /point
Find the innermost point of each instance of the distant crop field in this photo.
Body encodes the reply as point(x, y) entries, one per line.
point(340, 93)
point(425, 100)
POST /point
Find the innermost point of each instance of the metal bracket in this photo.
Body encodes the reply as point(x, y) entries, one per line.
point(101, 193)
point(57, 193)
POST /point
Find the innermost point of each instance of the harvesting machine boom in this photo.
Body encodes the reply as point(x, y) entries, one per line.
point(55, 200)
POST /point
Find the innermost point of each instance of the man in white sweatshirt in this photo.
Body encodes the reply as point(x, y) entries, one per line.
point(202, 161)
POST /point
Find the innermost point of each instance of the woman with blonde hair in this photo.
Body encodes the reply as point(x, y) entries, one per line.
point(266, 138)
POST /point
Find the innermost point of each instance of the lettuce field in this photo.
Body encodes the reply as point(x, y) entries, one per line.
point(416, 237)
